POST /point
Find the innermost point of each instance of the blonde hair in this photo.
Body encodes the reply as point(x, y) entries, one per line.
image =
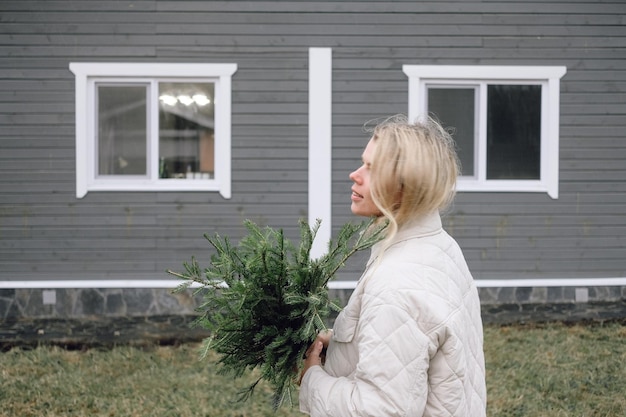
point(414, 170)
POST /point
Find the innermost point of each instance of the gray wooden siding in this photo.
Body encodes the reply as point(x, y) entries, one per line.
point(46, 233)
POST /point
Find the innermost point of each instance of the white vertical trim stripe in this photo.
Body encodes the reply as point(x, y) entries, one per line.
point(320, 146)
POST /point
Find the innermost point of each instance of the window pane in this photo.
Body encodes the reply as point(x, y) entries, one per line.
point(513, 131)
point(454, 108)
point(122, 130)
point(186, 130)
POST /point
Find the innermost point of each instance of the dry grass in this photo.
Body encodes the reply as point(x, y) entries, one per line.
point(556, 370)
point(124, 381)
point(549, 370)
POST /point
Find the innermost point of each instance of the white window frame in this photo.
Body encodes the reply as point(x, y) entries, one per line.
point(87, 74)
point(469, 76)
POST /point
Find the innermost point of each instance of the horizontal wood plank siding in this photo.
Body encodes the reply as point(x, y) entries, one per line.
point(46, 233)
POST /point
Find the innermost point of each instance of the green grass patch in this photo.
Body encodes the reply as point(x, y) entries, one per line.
point(535, 370)
point(556, 370)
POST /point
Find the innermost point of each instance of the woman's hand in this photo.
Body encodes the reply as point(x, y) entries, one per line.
point(315, 355)
point(324, 336)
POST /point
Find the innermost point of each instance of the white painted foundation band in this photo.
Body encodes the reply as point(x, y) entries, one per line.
point(348, 285)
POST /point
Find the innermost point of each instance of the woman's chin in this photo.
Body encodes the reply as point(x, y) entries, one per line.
point(358, 211)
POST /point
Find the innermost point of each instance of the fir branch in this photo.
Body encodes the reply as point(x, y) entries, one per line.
point(265, 300)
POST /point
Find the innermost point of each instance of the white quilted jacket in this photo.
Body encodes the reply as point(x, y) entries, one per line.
point(409, 342)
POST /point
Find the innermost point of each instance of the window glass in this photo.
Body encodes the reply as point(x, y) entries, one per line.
point(513, 131)
point(454, 109)
point(153, 127)
point(186, 130)
point(121, 129)
point(508, 136)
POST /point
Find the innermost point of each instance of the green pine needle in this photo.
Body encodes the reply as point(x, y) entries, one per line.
point(265, 300)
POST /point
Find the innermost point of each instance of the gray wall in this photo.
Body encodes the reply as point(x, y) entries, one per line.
point(46, 233)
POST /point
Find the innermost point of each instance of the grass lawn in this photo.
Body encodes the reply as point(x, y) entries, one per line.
point(535, 370)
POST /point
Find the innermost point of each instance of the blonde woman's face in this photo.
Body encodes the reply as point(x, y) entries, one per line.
point(362, 203)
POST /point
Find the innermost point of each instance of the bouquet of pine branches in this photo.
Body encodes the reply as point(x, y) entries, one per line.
point(265, 300)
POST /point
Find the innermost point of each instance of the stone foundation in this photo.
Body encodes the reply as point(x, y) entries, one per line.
point(95, 317)
point(94, 302)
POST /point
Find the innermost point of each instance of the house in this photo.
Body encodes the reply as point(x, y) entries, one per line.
point(129, 129)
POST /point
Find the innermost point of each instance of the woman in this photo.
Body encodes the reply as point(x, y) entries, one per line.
point(409, 341)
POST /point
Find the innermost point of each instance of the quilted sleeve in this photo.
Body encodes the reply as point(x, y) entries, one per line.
point(392, 371)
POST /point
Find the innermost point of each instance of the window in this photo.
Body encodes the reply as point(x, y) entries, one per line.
point(504, 120)
point(153, 127)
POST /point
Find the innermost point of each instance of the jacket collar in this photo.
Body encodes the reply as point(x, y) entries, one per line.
point(426, 225)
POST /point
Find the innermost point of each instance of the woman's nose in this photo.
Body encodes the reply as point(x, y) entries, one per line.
point(354, 175)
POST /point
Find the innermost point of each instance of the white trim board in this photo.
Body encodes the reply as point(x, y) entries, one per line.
point(320, 146)
point(173, 283)
point(515, 283)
